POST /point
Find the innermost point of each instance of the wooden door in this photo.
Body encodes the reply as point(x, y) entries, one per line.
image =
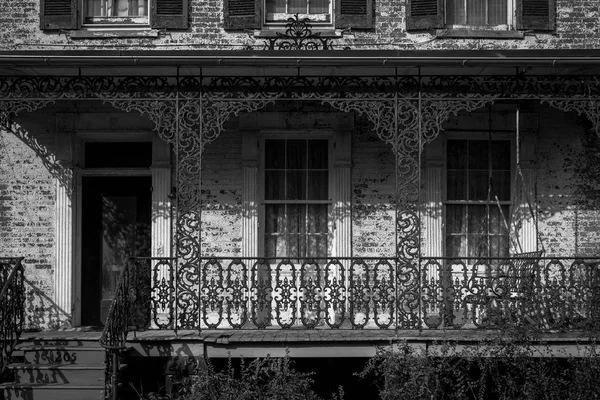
point(116, 214)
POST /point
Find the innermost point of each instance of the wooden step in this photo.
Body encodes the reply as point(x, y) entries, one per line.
point(58, 373)
point(34, 354)
point(15, 391)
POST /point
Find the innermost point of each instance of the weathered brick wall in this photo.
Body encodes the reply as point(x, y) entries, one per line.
point(27, 223)
point(577, 27)
point(222, 195)
point(373, 191)
point(568, 185)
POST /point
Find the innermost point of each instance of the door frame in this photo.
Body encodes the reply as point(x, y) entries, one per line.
point(159, 171)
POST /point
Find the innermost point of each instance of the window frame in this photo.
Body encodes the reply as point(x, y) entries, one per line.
point(114, 21)
point(481, 135)
point(295, 135)
point(509, 25)
point(283, 21)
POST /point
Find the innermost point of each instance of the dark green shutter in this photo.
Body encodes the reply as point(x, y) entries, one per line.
point(58, 14)
point(537, 15)
point(169, 14)
point(353, 14)
point(424, 14)
point(242, 14)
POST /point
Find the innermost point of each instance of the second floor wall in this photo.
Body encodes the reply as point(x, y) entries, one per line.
point(247, 24)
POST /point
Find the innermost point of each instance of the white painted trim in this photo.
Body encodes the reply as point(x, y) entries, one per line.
point(63, 246)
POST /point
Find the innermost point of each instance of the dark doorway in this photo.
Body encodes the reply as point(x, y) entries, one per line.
point(116, 216)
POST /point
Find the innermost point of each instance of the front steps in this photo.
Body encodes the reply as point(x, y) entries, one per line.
point(69, 368)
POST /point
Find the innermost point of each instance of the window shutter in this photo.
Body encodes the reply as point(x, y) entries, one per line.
point(536, 14)
point(242, 14)
point(424, 14)
point(354, 14)
point(169, 14)
point(58, 14)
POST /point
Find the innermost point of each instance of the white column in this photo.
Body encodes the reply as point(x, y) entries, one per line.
point(528, 233)
point(342, 211)
point(161, 203)
point(250, 210)
point(161, 210)
point(432, 213)
point(63, 246)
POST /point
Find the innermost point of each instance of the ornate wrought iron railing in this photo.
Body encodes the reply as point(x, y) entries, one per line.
point(374, 293)
point(12, 306)
point(129, 311)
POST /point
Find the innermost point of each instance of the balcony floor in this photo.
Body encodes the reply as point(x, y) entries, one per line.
point(313, 343)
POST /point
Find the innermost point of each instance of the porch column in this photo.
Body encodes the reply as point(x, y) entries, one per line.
point(250, 194)
point(161, 203)
point(63, 246)
point(63, 229)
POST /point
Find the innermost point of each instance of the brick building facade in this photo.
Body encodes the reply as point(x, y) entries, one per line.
point(377, 151)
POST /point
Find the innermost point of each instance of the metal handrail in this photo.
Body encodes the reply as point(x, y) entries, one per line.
point(12, 307)
point(119, 320)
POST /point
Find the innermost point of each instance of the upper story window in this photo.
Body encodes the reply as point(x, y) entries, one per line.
point(265, 14)
point(121, 12)
point(538, 15)
point(75, 14)
point(483, 13)
point(317, 11)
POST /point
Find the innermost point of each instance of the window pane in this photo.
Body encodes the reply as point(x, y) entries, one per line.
point(116, 8)
point(497, 14)
point(275, 6)
point(455, 12)
point(296, 185)
point(274, 185)
point(456, 218)
point(456, 246)
point(457, 154)
point(477, 246)
point(317, 154)
point(501, 185)
point(478, 185)
point(317, 246)
point(457, 185)
point(297, 6)
point(501, 154)
point(317, 218)
point(296, 218)
point(477, 219)
point(274, 218)
point(476, 12)
point(318, 6)
point(296, 154)
point(478, 154)
point(274, 154)
point(498, 222)
point(318, 185)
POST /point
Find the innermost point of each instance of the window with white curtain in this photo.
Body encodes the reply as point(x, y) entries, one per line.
point(478, 197)
point(296, 198)
point(116, 11)
point(477, 12)
point(317, 11)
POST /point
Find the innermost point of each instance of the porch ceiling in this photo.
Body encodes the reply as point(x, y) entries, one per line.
point(331, 62)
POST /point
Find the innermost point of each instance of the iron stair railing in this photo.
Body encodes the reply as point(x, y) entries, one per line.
point(12, 306)
point(129, 311)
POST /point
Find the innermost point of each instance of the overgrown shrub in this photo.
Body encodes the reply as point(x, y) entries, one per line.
point(262, 379)
point(514, 366)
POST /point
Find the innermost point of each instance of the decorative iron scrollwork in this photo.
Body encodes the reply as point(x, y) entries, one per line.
point(298, 35)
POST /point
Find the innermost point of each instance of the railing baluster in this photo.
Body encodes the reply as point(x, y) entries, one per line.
point(12, 306)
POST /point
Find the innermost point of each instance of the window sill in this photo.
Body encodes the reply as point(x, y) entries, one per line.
point(114, 34)
point(477, 34)
point(275, 33)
